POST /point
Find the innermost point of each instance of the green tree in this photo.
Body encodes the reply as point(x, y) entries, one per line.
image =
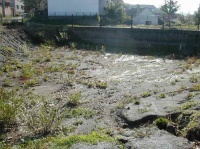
point(197, 18)
point(115, 12)
point(170, 8)
point(35, 4)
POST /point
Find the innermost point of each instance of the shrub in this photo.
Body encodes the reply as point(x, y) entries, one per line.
point(74, 99)
point(9, 107)
point(40, 114)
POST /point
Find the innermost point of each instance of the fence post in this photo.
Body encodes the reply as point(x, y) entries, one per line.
point(100, 21)
point(22, 20)
point(131, 21)
point(198, 22)
point(72, 20)
point(163, 21)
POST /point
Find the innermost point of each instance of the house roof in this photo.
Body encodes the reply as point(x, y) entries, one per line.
point(133, 9)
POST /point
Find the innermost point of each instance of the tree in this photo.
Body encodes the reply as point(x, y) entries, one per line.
point(197, 18)
point(170, 7)
point(35, 4)
point(115, 12)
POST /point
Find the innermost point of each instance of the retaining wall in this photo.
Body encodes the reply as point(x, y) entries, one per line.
point(181, 40)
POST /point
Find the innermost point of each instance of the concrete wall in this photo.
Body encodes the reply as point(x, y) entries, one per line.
point(75, 7)
point(186, 41)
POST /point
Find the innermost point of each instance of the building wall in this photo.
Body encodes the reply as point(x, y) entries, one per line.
point(145, 15)
point(102, 6)
point(75, 7)
point(8, 11)
point(19, 6)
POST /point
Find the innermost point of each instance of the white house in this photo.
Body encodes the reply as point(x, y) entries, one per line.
point(145, 14)
point(76, 7)
point(19, 6)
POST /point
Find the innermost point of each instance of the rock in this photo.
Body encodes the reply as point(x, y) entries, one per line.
point(171, 128)
point(127, 133)
point(161, 140)
point(101, 145)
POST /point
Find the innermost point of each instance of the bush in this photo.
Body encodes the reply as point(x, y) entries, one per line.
point(9, 107)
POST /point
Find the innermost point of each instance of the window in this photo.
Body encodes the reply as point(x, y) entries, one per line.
point(22, 7)
point(17, 6)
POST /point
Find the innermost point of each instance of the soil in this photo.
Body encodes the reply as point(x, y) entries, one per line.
point(110, 84)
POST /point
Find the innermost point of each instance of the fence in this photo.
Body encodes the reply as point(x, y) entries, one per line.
point(11, 20)
point(158, 21)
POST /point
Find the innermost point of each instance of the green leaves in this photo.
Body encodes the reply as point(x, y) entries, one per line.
point(170, 7)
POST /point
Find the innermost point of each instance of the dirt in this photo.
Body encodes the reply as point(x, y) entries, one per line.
point(160, 85)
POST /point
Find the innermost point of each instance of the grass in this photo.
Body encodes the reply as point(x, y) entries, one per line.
point(161, 122)
point(79, 112)
point(145, 94)
point(74, 99)
point(142, 110)
point(9, 107)
point(189, 96)
point(162, 95)
point(66, 142)
point(193, 79)
point(92, 138)
point(188, 105)
point(137, 102)
point(195, 87)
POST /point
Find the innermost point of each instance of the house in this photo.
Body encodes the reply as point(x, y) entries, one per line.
point(145, 14)
point(12, 7)
point(8, 6)
point(76, 7)
point(19, 7)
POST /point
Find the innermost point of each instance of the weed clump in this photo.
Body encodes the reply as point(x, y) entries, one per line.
point(161, 122)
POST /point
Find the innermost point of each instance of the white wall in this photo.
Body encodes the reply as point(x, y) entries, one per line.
point(75, 7)
point(102, 6)
point(18, 6)
point(145, 15)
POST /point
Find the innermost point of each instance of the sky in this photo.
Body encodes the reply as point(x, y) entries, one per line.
point(187, 6)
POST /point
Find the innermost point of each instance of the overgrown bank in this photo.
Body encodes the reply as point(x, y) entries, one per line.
point(63, 96)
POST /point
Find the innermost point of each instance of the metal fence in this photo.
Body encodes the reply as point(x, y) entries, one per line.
point(157, 21)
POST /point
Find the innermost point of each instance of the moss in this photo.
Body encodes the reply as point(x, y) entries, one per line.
point(92, 138)
point(65, 142)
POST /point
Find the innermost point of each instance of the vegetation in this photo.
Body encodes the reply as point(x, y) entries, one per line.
point(115, 12)
point(161, 122)
point(170, 7)
point(145, 94)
